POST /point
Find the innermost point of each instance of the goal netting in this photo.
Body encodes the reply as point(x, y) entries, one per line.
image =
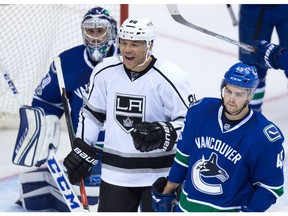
point(30, 37)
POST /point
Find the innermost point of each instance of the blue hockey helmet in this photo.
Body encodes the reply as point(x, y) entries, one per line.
point(241, 75)
point(99, 31)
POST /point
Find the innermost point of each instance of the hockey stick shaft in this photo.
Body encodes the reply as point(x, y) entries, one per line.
point(57, 62)
point(174, 12)
point(232, 15)
point(54, 166)
point(65, 187)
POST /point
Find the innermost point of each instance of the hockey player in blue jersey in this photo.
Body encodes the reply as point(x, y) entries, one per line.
point(230, 157)
point(257, 22)
point(99, 32)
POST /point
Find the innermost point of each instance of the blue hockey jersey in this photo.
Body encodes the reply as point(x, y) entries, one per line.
point(227, 169)
point(77, 69)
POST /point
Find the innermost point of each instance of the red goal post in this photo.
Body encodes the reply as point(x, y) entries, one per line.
point(31, 35)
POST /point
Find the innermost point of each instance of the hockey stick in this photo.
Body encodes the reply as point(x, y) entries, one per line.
point(231, 12)
point(54, 166)
point(57, 62)
point(174, 12)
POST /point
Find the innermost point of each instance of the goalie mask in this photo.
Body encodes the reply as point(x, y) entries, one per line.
point(99, 32)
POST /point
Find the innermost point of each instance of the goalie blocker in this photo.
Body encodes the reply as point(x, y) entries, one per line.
point(37, 134)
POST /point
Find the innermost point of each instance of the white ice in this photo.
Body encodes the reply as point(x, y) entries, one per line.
point(203, 57)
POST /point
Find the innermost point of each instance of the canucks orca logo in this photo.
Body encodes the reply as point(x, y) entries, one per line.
point(204, 169)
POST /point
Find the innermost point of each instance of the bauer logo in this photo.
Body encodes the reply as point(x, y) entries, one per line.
point(68, 194)
point(129, 110)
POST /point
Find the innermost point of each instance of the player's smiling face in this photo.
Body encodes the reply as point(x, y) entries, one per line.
point(134, 54)
point(234, 98)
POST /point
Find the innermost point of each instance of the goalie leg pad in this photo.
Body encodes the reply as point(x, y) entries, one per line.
point(39, 191)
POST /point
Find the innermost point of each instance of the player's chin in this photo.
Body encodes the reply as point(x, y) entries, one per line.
point(130, 66)
point(129, 63)
point(231, 109)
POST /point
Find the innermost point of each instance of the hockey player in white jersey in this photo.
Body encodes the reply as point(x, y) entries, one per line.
point(139, 95)
point(99, 31)
point(231, 159)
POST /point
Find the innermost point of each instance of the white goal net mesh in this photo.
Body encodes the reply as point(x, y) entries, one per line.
point(30, 37)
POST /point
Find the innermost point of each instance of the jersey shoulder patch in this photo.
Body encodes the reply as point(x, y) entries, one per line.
point(272, 133)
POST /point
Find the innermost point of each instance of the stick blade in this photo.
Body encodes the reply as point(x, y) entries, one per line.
point(173, 9)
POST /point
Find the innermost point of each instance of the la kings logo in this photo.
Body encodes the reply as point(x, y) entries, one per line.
point(129, 110)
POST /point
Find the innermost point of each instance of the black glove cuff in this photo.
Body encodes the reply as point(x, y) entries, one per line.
point(159, 184)
point(170, 136)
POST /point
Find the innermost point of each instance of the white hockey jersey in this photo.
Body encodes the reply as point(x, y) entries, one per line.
point(117, 97)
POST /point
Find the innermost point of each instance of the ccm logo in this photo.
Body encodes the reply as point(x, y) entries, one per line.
point(58, 174)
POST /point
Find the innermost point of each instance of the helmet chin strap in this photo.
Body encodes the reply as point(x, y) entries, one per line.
point(148, 54)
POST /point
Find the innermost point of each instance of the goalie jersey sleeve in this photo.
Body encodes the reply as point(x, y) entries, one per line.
point(226, 170)
point(76, 76)
point(162, 92)
point(77, 69)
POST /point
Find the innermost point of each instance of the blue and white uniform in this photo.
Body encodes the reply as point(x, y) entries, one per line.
point(77, 68)
point(257, 22)
point(227, 168)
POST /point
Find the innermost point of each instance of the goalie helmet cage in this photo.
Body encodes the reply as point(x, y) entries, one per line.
point(31, 36)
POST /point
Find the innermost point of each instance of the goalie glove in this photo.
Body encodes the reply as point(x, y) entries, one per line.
point(79, 161)
point(162, 202)
point(149, 136)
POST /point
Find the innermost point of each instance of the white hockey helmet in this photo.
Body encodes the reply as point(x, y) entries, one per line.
point(138, 29)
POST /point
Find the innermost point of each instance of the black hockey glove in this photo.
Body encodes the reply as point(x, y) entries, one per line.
point(156, 135)
point(267, 54)
point(80, 160)
point(162, 202)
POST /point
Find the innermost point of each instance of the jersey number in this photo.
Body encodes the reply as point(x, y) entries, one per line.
point(280, 159)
